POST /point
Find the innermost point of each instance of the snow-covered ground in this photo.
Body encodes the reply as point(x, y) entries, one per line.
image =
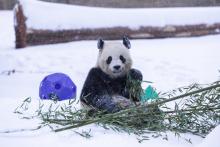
point(169, 63)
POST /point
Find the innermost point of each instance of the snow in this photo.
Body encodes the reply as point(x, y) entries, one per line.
point(7, 36)
point(43, 15)
point(212, 139)
point(169, 63)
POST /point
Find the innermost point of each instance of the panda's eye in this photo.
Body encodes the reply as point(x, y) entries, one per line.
point(109, 60)
point(123, 60)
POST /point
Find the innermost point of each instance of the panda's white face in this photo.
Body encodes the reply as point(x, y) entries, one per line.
point(114, 59)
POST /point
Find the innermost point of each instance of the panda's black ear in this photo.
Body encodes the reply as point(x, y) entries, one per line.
point(126, 42)
point(100, 44)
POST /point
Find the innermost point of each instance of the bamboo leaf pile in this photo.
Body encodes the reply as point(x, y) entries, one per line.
point(195, 109)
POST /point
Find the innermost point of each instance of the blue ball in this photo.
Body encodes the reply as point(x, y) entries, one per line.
point(57, 86)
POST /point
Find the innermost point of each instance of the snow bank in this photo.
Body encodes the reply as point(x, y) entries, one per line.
point(61, 16)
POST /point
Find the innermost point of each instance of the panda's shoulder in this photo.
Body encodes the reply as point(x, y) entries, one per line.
point(94, 71)
point(98, 74)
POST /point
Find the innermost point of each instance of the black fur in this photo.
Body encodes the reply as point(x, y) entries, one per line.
point(100, 44)
point(123, 60)
point(109, 60)
point(99, 88)
point(126, 42)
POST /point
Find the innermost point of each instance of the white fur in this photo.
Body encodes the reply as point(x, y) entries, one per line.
point(114, 49)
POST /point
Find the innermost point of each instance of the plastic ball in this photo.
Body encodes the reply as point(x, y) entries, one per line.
point(57, 86)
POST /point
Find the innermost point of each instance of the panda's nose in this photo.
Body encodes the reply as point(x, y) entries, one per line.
point(117, 67)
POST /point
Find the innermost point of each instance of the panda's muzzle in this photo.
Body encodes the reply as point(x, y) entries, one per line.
point(117, 67)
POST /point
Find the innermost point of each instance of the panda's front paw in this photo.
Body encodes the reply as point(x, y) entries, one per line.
point(105, 103)
point(122, 102)
point(135, 74)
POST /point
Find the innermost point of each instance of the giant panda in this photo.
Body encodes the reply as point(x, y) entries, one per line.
point(106, 86)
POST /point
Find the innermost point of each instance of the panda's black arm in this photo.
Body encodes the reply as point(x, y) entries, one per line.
point(94, 93)
point(136, 75)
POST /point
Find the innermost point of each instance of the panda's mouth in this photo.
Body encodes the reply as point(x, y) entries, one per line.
point(117, 71)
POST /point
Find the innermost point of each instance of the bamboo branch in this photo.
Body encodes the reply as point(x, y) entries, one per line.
point(110, 116)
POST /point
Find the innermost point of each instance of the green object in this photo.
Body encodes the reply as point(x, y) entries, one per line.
point(149, 94)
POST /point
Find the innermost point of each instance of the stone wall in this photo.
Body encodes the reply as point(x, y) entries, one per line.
point(8, 4)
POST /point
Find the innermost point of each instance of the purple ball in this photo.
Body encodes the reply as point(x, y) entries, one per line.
point(57, 86)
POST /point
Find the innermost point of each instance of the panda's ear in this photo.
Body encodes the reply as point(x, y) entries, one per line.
point(126, 42)
point(100, 44)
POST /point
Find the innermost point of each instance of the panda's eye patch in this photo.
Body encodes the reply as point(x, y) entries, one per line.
point(109, 60)
point(123, 60)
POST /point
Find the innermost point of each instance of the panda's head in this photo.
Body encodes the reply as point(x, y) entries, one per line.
point(114, 57)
